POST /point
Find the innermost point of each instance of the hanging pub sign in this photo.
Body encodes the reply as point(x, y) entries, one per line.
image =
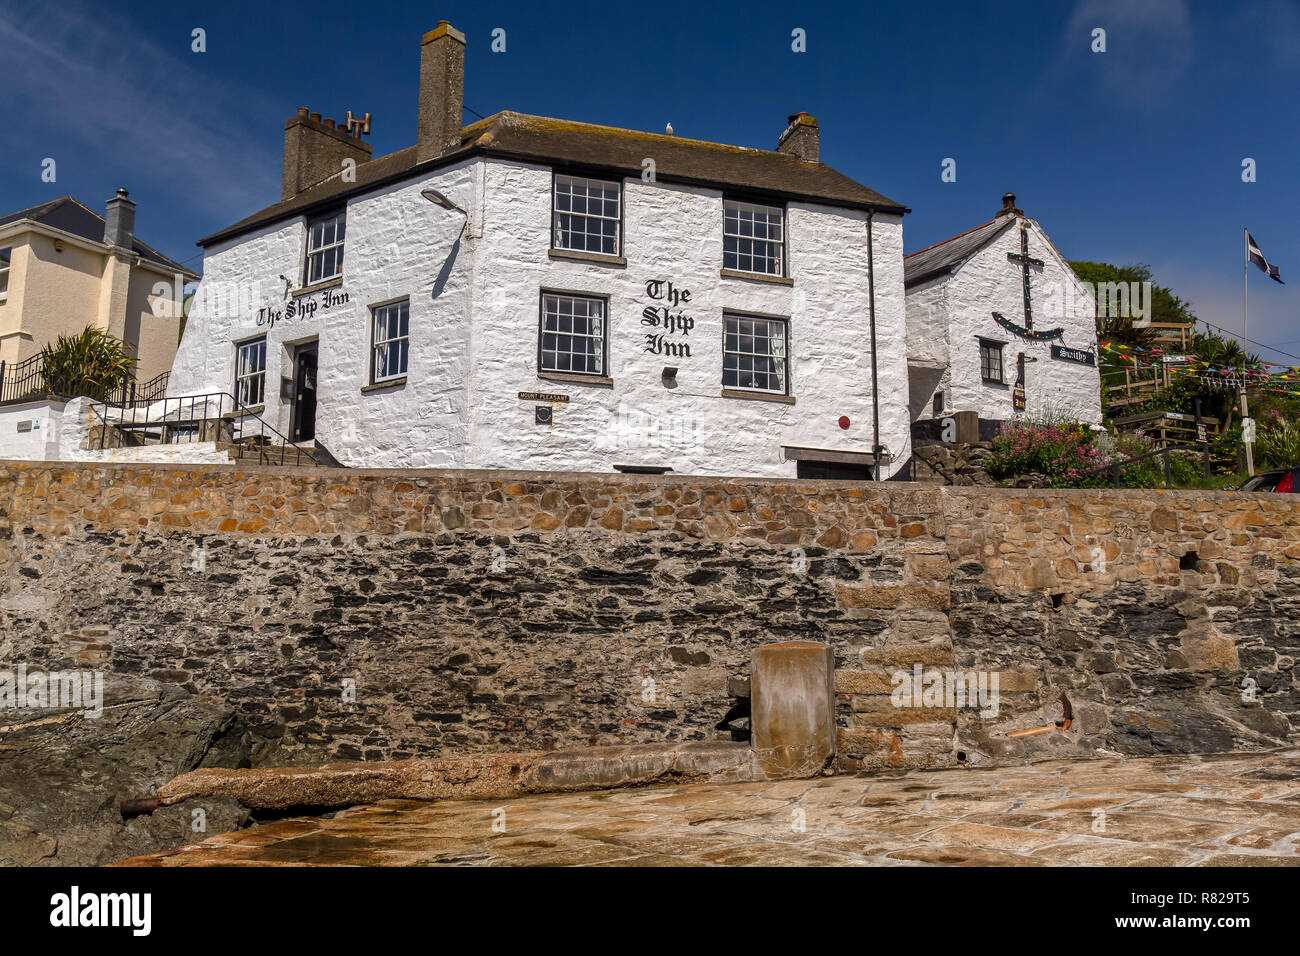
point(1018, 392)
point(1073, 355)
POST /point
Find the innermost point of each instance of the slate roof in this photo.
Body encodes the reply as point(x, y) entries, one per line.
point(68, 215)
point(509, 135)
point(947, 255)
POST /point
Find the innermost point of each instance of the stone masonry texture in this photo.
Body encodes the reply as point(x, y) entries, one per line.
point(477, 611)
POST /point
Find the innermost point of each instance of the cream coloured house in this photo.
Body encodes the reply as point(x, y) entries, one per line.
point(64, 267)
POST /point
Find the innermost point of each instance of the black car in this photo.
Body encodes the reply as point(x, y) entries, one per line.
point(1286, 480)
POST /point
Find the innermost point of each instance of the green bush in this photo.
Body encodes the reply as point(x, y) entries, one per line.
point(1184, 471)
point(1277, 441)
point(93, 364)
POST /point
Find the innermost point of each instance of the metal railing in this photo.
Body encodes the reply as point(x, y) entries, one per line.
point(1116, 468)
point(150, 391)
point(216, 417)
point(26, 382)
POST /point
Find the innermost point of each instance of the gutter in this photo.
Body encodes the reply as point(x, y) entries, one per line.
point(20, 226)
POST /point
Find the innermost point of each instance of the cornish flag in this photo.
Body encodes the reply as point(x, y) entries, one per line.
point(1257, 257)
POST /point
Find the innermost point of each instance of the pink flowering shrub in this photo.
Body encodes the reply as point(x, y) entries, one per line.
point(1063, 452)
point(1068, 454)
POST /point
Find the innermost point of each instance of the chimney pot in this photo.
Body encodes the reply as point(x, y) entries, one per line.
point(313, 155)
point(442, 91)
point(1009, 206)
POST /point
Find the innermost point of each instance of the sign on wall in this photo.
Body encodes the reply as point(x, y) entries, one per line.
point(663, 318)
point(543, 397)
point(1073, 355)
point(1018, 392)
point(303, 307)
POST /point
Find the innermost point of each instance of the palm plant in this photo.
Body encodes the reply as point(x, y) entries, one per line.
point(1278, 442)
point(1220, 352)
point(93, 363)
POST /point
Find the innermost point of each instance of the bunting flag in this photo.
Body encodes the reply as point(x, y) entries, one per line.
point(1254, 255)
point(1261, 375)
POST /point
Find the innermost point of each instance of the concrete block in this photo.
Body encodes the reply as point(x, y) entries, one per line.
point(793, 723)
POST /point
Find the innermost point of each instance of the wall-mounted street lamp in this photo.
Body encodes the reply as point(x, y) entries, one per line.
point(438, 199)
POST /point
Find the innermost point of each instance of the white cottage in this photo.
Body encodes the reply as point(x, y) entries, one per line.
point(535, 293)
point(998, 324)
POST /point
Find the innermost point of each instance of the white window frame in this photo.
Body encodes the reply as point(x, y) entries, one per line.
point(5, 262)
point(778, 351)
point(586, 218)
point(735, 214)
point(244, 379)
point(317, 247)
point(599, 336)
point(379, 347)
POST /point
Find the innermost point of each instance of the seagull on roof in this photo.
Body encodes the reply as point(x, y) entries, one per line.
point(669, 130)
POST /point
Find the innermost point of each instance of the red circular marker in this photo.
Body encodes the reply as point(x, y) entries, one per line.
point(844, 421)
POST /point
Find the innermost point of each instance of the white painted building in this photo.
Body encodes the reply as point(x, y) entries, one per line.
point(999, 324)
point(534, 293)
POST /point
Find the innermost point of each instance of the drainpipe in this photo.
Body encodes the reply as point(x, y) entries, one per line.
point(875, 390)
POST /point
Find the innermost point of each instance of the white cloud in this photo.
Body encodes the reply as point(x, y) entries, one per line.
point(1149, 47)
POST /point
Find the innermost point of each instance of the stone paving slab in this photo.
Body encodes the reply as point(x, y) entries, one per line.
point(1214, 810)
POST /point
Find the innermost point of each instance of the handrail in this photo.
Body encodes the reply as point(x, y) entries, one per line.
point(188, 418)
point(1116, 467)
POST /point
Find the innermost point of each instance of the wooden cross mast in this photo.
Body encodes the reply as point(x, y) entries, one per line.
point(1025, 261)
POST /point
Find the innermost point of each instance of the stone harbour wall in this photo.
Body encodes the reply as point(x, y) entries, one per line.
point(385, 614)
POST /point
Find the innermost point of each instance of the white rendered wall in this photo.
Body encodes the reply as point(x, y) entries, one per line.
point(675, 233)
point(41, 441)
point(63, 432)
point(398, 245)
point(988, 282)
point(460, 405)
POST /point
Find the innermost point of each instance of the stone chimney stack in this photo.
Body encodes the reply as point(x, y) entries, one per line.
point(442, 91)
point(801, 138)
point(1009, 206)
point(314, 150)
point(119, 221)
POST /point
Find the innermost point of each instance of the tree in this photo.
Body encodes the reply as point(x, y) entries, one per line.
point(1165, 306)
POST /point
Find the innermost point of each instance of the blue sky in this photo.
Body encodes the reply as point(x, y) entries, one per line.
point(1129, 155)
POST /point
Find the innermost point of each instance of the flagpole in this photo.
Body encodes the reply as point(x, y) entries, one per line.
point(1245, 334)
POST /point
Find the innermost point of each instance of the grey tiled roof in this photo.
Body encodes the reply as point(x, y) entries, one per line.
point(547, 141)
point(68, 215)
point(944, 256)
